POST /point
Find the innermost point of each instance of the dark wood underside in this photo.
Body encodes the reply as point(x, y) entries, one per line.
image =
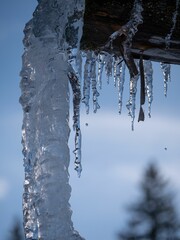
point(102, 18)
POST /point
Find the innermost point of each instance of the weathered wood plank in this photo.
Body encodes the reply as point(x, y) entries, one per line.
point(102, 18)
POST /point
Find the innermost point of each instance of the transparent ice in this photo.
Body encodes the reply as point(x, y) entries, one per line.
point(50, 55)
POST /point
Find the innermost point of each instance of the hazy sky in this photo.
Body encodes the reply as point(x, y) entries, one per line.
point(113, 156)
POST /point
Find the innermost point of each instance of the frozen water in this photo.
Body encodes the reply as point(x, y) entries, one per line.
point(50, 53)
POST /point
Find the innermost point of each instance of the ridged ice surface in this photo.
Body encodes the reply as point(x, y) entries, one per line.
point(45, 131)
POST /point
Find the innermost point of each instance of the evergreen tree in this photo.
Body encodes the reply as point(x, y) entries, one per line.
point(16, 232)
point(154, 216)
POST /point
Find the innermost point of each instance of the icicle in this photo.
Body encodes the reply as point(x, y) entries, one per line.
point(87, 81)
point(90, 80)
point(121, 86)
point(108, 65)
point(76, 87)
point(119, 78)
point(94, 84)
point(131, 104)
point(148, 73)
point(117, 64)
point(166, 68)
point(101, 63)
point(174, 20)
point(73, 34)
point(141, 116)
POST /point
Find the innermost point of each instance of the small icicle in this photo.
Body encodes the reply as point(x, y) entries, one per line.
point(108, 66)
point(101, 63)
point(94, 84)
point(148, 74)
point(166, 68)
point(76, 88)
point(116, 69)
point(87, 81)
point(131, 104)
point(120, 82)
point(142, 89)
point(174, 20)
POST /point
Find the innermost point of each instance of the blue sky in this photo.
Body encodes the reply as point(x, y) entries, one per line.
point(113, 156)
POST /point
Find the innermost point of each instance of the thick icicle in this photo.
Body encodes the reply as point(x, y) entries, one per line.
point(148, 73)
point(45, 102)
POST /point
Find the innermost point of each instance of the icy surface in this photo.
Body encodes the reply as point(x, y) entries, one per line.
point(45, 100)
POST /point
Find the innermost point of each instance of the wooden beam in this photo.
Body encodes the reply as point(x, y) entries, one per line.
point(102, 18)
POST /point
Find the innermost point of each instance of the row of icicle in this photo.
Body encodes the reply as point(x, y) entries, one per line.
point(96, 63)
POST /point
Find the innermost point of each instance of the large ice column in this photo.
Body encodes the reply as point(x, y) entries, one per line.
point(45, 102)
